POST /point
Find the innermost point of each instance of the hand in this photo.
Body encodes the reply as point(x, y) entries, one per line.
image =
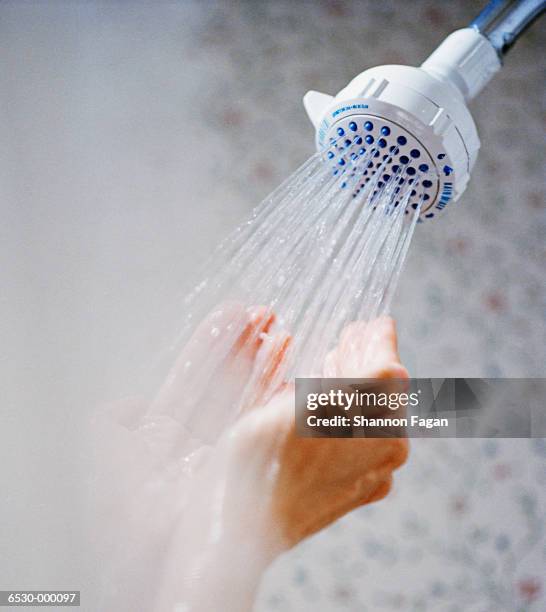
point(184, 535)
point(205, 389)
point(263, 489)
point(320, 479)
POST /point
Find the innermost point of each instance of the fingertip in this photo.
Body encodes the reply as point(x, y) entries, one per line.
point(259, 320)
point(269, 319)
point(400, 454)
point(279, 348)
point(393, 371)
point(381, 491)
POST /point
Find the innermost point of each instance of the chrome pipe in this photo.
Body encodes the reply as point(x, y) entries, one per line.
point(504, 21)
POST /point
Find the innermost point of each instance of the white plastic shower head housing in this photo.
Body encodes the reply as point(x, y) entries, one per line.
point(417, 116)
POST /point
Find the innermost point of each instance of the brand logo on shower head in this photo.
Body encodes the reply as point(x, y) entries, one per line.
point(348, 108)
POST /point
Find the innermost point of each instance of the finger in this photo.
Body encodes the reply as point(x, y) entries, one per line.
point(378, 336)
point(209, 344)
point(285, 387)
point(277, 355)
point(367, 350)
point(270, 370)
point(382, 490)
point(261, 319)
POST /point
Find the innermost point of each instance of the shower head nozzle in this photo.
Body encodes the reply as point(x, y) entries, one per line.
point(418, 115)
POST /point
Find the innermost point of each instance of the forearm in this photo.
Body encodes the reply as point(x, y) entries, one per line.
point(224, 539)
point(219, 578)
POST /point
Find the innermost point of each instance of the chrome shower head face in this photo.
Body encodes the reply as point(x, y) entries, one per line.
point(415, 120)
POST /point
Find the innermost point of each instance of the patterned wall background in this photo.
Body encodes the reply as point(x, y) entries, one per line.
point(141, 133)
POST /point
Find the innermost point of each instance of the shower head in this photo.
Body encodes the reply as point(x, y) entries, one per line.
point(417, 118)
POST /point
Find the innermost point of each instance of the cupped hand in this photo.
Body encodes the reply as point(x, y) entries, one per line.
point(183, 534)
point(314, 481)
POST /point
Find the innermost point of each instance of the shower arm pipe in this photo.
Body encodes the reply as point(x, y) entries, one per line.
point(503, 21)
point(470, 57)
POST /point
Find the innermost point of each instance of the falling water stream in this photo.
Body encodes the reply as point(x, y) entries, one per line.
point(324, 249)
